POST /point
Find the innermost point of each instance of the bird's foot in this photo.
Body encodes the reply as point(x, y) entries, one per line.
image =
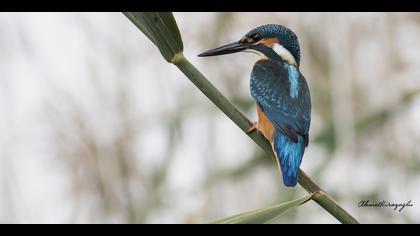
point(252, 128)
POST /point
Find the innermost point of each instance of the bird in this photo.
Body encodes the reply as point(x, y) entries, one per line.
point(281, 93)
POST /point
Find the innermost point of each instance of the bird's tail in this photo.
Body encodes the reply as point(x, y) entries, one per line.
point(289, 155)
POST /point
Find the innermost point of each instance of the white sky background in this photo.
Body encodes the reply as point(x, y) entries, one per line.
point(46, 55)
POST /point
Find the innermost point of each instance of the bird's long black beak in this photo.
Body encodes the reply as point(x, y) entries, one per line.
point(226, 49)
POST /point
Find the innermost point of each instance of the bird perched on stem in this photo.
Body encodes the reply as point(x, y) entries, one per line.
point(280, 91)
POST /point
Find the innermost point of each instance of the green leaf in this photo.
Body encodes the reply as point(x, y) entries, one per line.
point(267, 215)
point(161, 29)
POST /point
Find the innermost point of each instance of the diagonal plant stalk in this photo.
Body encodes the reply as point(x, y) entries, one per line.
point(162, 30)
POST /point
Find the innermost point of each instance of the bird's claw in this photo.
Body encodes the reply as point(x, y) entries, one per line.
point(252, 128)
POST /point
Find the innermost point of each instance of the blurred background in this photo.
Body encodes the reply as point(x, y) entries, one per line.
point(96, 127)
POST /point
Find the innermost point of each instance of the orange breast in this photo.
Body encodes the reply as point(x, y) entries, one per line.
point(265, 126)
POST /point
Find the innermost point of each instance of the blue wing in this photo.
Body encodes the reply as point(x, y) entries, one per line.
point(285, 100)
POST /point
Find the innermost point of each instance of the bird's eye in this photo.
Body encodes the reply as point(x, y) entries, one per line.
point(255, 37)
point(246, 39)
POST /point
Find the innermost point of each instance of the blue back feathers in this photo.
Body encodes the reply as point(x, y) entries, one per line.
point(293, 79)
point(283, 94)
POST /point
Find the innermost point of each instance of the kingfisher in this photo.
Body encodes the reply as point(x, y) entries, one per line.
point(281, 93)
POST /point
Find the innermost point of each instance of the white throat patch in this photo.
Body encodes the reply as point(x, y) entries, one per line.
point(284, 54)
point(262, 55)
